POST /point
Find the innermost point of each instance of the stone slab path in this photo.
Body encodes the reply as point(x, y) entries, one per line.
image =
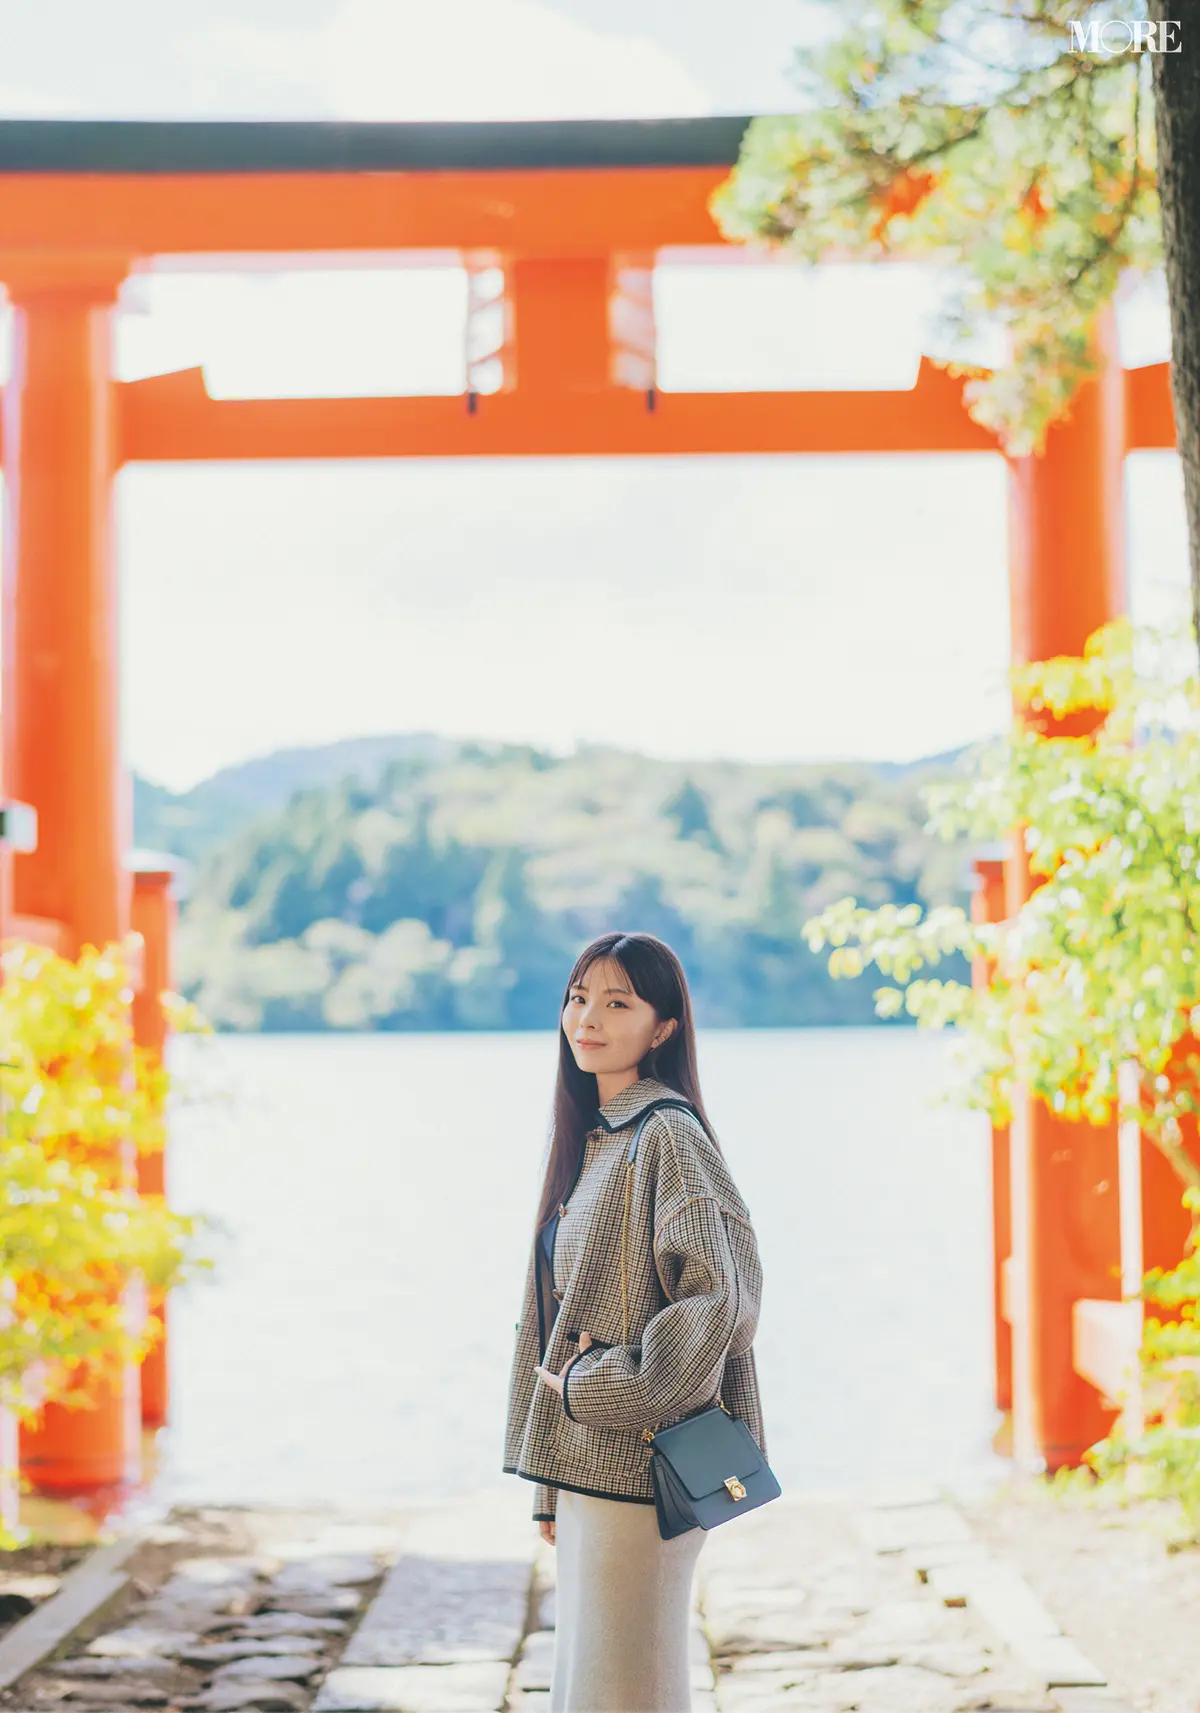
point(223, 1609)
point(817, 1606)
point(833, 1607)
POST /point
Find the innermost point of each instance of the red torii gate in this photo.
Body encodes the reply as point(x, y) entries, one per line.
point(570, 218)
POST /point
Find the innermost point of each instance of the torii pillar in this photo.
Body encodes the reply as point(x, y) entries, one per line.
point(1067, 577)
point(61, 748)
point(155, 917)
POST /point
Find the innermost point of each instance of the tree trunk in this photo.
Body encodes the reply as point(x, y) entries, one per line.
point(1177, 124)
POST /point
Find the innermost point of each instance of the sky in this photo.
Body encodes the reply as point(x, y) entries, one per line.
point(767, 608)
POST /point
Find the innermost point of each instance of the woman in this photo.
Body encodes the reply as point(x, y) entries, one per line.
point(608, 1345)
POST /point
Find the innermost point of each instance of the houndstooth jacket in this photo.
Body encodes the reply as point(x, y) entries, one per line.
point(694, 1288)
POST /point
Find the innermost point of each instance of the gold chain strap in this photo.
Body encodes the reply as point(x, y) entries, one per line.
point(624, 1264)
point(647, 1433)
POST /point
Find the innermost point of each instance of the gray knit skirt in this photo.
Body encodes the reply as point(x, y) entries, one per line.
point(622, 1609)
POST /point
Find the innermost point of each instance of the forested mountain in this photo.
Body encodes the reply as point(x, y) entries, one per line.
point(191, 822)
point(425, 883)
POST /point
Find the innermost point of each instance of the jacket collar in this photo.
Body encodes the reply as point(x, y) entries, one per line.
point(628, 1105)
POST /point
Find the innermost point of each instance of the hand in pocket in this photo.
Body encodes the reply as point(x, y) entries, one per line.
point(555, 1381)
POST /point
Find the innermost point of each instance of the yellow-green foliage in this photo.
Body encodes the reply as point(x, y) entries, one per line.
point(1163, 1460)
point(1099, 966)
point(80, 1101)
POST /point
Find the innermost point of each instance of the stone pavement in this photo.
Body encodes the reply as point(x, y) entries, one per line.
point(830, 1606)
point(226, 1609)
point(821, 1606)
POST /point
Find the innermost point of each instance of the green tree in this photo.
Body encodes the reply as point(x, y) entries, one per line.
point(688, 809)
point(427, 876)
point(973, 133)
point(510, 927)
point(1100, 966)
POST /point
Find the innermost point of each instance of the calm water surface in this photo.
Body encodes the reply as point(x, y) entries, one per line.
point(376, 1195)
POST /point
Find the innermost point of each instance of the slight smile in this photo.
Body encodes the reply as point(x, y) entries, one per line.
point(579, 1043)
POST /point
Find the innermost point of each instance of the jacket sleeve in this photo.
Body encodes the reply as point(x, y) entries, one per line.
point(677, 1366)
point(545, 1503)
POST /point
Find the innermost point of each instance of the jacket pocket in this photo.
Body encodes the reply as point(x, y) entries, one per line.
point(596, 1455)
point(575, 1443)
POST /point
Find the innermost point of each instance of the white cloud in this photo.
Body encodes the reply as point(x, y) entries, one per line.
point(495, 59)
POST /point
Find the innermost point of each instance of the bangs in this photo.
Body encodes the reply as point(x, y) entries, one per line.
point(601, 954)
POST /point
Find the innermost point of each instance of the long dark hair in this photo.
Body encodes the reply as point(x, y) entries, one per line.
point(655, 975)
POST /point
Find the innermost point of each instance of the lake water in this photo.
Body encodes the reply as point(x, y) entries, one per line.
point(376, 1194)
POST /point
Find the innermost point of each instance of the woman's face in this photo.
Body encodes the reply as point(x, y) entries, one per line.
point(609, 1026)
